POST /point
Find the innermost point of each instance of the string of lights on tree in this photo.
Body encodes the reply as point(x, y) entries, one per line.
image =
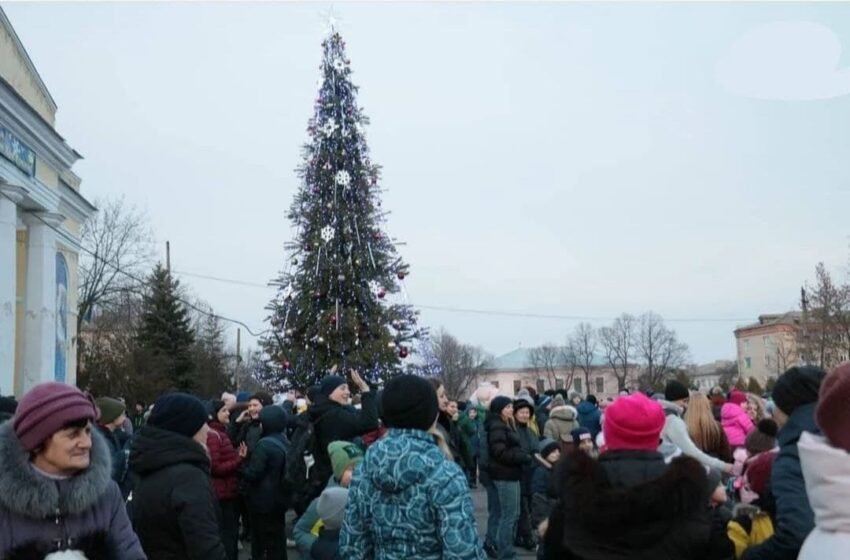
point(334, 300)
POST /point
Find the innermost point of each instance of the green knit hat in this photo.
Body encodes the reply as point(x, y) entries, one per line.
point(110, 409)
point(343, 454)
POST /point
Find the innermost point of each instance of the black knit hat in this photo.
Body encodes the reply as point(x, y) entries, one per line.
point(797, 387)
point(213, 407)
point(179, 413)
point(8, 405)
point(264, 398)
point(330, 384)
point(409, 401)
point(763, 438)
point(676, 391)
point(498, 404)
point(522, 403)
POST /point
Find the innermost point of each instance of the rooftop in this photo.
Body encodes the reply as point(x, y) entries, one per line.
point(521, 359)
point(768, 319)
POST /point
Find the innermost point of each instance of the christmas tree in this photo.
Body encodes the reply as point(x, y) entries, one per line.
point(333, 303)
point(165, 339)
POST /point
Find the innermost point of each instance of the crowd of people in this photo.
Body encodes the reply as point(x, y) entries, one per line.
point(679, 474)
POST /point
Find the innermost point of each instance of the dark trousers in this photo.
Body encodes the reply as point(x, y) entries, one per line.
point(524, 530)
point(244, 515)
point(229, 528)
point(268, 537)
point(473, 470)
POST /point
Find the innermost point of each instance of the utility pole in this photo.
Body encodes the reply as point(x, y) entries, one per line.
point(168, 257)
point(804, 304)
point(238, 355)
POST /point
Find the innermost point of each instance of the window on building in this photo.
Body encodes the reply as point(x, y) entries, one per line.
point(577, 385)
point(746, 346)
point(517, 386)
point(559, 384)
point(541, 386)
point(600, 385)
point(749, 363)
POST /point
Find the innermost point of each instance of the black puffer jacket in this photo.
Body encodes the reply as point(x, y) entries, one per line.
point(249, 433)
point(507, 457)
point(630, 504)
point(174, 508)
point(334, 422)
point(262, 473)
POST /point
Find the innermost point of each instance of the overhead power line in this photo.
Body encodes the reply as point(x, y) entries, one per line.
point(143, 282)
point(491, 312)
point(443, 308)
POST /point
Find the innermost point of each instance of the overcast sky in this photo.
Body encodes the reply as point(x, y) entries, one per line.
point(567, 159)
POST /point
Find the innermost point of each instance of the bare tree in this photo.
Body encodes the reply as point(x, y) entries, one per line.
point(618, 345)
point(545, 361)
point(458, 365)
point(584, 344)
point(827, 312)
point(728, 376)
point(117, 240)
point(106, 363)
point(659, 351)
point(571, 365)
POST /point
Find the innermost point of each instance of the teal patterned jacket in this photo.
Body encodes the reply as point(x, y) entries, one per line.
point(406, 502)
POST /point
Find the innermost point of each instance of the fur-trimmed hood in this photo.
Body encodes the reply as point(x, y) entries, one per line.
point(671, 408)
point(565, 412)
point(632, 501)
point(29, 494)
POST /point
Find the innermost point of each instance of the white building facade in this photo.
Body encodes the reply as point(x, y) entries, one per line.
point(41, 214)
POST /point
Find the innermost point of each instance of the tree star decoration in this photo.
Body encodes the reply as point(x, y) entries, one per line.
point(327, 233)
point(343, 179)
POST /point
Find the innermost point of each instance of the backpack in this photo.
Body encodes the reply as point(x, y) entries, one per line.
point(286, 488)
point(302, 446)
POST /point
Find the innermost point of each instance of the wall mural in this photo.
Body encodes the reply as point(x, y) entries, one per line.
point(61, 365)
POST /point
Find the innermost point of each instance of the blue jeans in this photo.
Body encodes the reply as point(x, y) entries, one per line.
point(508, 494)
point(492, 510)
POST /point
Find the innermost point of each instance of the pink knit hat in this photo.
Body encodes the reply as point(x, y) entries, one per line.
point(737, 397)
point(634, 422)
point(47, 408)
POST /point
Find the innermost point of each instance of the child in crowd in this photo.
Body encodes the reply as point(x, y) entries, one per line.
point(331, 509)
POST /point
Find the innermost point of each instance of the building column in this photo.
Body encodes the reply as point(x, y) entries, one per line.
point(40, 317)
point(10, 196)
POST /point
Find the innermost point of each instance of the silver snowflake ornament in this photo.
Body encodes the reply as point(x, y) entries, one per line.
point(327, 233)
point(329, 127)
point(339, 64)
point(343, 179)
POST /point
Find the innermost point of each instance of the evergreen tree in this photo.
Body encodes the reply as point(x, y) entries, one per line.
point(209, 356)
point(165, 338)
point(331, 306)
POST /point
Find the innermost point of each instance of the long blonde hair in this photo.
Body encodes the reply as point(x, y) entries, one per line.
point(441, 442)
point(702, 427)
point(757, 403)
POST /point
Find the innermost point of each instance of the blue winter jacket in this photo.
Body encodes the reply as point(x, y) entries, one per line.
point(589, 416)
point(794, 516)
point(408, 501)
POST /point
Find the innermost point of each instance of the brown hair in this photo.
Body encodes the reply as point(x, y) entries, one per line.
point(702, 427)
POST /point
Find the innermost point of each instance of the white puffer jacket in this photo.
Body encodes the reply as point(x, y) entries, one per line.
point(827, 473)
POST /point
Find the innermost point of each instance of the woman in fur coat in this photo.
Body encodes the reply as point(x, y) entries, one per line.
point(630, 503)
point(57, 496)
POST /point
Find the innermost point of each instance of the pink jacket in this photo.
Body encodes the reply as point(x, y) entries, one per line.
point(736, 423)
